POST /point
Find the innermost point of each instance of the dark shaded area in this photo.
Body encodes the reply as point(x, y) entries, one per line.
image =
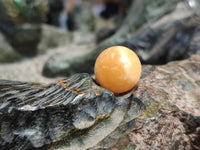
point(24, 38)
point(104, 33)
point(191, 124)
point(20, 22)
point(111, 9)
point(54, 11)
point(176, 48)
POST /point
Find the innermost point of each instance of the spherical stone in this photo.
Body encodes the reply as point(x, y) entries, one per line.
point(118, 69)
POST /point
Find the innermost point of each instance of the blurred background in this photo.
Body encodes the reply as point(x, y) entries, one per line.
point(41, 40)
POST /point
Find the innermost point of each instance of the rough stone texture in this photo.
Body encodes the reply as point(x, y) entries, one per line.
point(73, 113)
point(175, 131)
point(177, 83)
point(170, 132)
point(7, 52)
point(162, 125)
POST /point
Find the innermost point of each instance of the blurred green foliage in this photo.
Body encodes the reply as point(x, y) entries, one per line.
point(23, 11)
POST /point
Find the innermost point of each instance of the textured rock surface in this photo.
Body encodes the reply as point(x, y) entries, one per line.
point(170, 93)
point(175, 131)
point(171, 119)
point(177, 83)
point(72, 113)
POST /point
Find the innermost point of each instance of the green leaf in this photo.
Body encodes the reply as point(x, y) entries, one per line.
point(19, 5)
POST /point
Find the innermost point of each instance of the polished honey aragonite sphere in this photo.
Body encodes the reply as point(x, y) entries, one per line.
point(118, 69)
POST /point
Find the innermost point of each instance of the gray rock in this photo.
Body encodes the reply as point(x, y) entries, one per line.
point(194, 47)
point(131, 24)
point(61, 115)
point(23, 38)
point(169, 38)
point(30, 40)
point(176, 83)
point(82, 18)
point(8, 54)
point(58, 63)
point(104, 33)
point(20, 23)
point(58, 114)
point(83, 38)
point(52, 37)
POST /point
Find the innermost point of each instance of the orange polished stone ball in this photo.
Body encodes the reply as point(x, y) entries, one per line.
point(118, 69)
